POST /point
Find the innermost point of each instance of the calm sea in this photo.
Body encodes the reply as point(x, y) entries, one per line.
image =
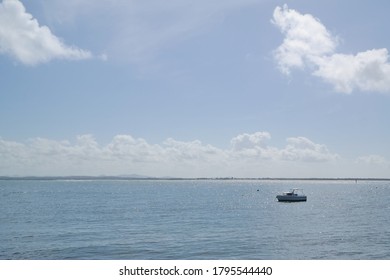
point(193, 219)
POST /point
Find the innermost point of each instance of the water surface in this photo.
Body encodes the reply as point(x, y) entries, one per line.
point(193, 219)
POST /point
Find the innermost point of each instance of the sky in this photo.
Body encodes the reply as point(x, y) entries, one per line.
point(195, 88)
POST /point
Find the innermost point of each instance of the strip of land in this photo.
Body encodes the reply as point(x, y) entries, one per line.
point(139, 177)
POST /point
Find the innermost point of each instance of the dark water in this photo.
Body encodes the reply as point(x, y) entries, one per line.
point(190, 219)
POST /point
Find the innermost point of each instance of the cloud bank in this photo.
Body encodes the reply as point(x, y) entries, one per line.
point(248, 155)
point(25, 40)
point(309, 45)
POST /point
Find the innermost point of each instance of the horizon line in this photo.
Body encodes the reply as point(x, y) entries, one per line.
point(140, 177)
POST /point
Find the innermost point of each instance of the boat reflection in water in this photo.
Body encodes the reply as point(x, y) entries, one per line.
point(294, 195)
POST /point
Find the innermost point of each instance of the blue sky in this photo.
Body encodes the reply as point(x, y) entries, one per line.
point(249, 88)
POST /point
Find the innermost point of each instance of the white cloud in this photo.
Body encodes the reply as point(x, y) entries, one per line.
point(249, 155)
point(250, 141)
point(180, 151)
point(303, 149)
point(372, 166)
point(23, 38)
point(374, 160)
point(366, 71)
point(253, 146)
point(308, 44)
point(305, 40)
point(297, 149)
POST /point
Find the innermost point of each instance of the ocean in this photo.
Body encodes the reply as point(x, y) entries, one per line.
point(193, 220)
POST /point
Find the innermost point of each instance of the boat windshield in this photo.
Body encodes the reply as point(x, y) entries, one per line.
point(293, 192)
point(289, 193)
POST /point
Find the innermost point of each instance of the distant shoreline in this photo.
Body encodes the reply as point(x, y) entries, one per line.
point(124, 178)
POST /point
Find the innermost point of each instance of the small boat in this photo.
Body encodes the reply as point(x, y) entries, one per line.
point(294, 195)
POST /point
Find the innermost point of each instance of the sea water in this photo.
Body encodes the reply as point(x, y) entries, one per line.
point(193, 219)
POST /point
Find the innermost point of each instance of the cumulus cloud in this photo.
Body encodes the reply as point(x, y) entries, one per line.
point(305, 40)
point(303, 149)
point(253, 146)
point(190, 151)
point(297, 148)
point(126, 155)
point(309, 45)
point(25, 40)
point(248, 141)
point(366, 71)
